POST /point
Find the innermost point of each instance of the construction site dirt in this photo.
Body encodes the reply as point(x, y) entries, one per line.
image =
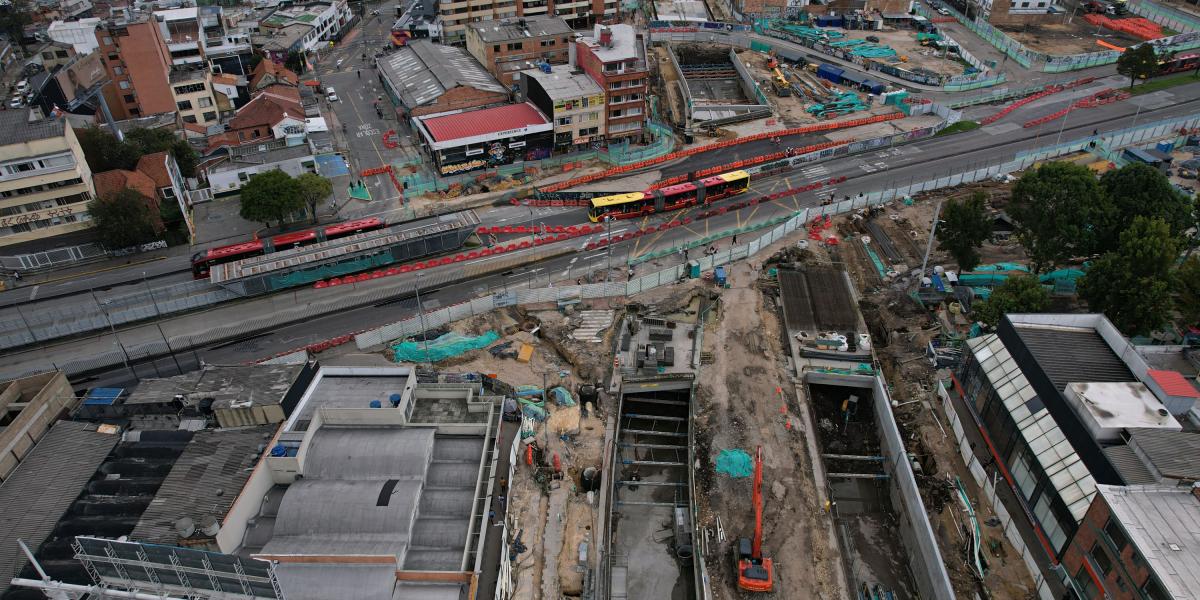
point(1061, 39)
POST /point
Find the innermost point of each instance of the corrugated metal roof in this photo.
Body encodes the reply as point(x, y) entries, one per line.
point(1175, 454)
point(300, 581)
point(44, 485)
point(1073, 355)
point(422, 71)
point(1163, 523)
point(18, 129)
point(483, 121)
point(205, 480)
point(1133, 471)
point(1068, 474)
point(1174, 383)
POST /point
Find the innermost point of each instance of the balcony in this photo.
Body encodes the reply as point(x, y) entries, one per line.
point(637, 66)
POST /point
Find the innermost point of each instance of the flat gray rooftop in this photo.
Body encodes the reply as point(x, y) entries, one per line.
point(349, 391)
point(257, 384)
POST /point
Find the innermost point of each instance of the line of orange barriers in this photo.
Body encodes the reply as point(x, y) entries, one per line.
point(571, 229)
point(718, 145)
point(375, 171)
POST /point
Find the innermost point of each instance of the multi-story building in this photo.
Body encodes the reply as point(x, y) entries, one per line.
point(616, 58)
point(516, 44)
point(424, 78)
point(1066, 404)
point(194, 97)
point(573, 101)
point(760, 8)
point(326, 19)
point(45, 183)
point(137, 60)
point(454, 17)
point(1139, 542)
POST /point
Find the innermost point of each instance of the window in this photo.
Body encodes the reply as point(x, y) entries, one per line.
point(189, 119)
point(123, 85)
point(1154, 590)
point(48, 55)
point(135, 111)
point(190, 88)
point(1088, 587)
point(545, 43)
point(210, 116)
point(118, 71)
point(1022, 472)
point(204, 102)
point(564, 121)
point(516, 46)
point(243, 177)
point(1114, 532)
point(114, 57)
point(1050, 522)
point(129, 98)
point(1102, 559)
point(185, 105)
point(107, 41)
point(496, 48)
point(60, 53)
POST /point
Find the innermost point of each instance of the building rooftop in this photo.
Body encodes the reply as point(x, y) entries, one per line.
point(1163, 523)
point(422, 71)
point(44, 485)
point(254, 384)
point(1174, 383)
point(283, 38)
point(564, 82)
point(1170, 454)
point(154, 165)
point(21, 126)
point(492, 32)
point(176, 14)
point(348, 388)
point(486, 121)
point(268, 107)
point(1037, 426)
point(81, 34)
point(1109, 407)
point(625, 44)
point(111, 182)
point(203, 483)
point(681, 10)
point(242, 161)
point(1068, 354)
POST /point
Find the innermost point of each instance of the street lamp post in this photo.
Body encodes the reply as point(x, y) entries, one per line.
point(26, 322)
point(113, 329)
point(421, 317)
point(169, 349)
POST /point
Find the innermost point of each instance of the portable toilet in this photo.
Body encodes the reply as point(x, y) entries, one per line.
point(693, 269)
point(719, 276)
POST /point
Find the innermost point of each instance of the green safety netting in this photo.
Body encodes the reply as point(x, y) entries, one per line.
point(447, 346)
point(307, 276)
point(735, 463)
point(562, 397)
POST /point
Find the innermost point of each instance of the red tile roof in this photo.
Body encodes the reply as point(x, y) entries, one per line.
point(274, 73)
point(155, 167)
point(483, 121)
point(268, 107)
point(1173, 383)
point(111, 182)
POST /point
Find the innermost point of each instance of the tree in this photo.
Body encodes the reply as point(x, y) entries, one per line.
point(294, 62)
point(123, 219)
point(1018, 294)
point(1056, 208)
point(104, 152)
point(964, 227)
point(149, 141)
point(1132, 284)
point(313, 189)
point(270, 196)
point(1187, 290)
point(1141, 190)
point(14, 16)
point(1139, 62)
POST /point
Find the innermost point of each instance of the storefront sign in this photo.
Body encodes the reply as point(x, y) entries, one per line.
point(463, 167)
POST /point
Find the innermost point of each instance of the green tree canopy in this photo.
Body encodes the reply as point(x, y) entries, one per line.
point(1132, 284)
point(1056, 208)
point(1139, 62)
point(14, 16)
point(1018, 294)
point(313, 189)
point(1187, 290)
point(270, 196)
point(104, 152)
point(123, 219)
point(965, 226)
point(1141, 190)
point(149, 141)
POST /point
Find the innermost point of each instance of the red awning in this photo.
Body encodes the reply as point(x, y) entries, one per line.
point(482, 122)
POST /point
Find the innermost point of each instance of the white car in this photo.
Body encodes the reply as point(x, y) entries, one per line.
point(22, 86)
point(15, 102)
point(943, 12)
point(331, 95)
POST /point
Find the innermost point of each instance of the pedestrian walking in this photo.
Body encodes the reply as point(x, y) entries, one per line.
point(491, 517)
point(735, 239)
point(359, 72)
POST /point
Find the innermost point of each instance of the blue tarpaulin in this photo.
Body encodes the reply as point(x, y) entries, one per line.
point(735, 463)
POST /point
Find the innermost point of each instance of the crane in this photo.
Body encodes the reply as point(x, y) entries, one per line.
point(755, 573)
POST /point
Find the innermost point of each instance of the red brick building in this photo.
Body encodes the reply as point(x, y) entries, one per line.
point(507, 47)
point(136, 58)
point(616, 58)
point(1138, 543)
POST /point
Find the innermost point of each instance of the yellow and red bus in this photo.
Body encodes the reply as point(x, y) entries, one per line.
point(636, 204)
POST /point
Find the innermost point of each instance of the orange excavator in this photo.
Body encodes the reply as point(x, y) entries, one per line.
point(755, 572)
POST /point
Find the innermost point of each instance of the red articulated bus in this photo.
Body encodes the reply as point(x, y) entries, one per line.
point(673, 197)
point(202, 262)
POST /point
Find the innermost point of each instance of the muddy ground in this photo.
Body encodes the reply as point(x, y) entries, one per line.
point(1061, 39)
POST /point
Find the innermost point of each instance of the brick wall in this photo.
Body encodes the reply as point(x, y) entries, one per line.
point(461, 98)
point(1125, 575)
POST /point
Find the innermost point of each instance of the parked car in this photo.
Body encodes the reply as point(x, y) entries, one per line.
point(331, 94)
point(22, 86)
point(943, 12)
point(15, 102)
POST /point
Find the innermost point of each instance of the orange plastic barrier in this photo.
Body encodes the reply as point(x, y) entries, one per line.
point(1105, 44)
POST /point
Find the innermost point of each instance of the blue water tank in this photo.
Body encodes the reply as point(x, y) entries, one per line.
point(394, 399)
point(545, 67)
point(278, 450)
point(376, 404)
